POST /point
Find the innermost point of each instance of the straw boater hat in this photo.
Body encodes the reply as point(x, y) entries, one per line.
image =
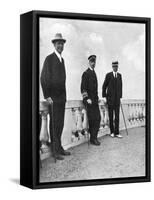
point(58, 37)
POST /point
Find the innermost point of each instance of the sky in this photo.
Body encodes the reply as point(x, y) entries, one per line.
point(109, 41)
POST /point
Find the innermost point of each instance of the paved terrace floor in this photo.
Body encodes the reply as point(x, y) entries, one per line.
point(114, 158)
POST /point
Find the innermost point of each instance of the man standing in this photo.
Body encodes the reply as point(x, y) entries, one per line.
point(112, 91)
point(89, 87)
point(53, 78)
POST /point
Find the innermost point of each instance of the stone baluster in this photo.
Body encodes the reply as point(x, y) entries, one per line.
point(129, 112)
point(79, 122)
point(85, 122)
point(44, 136)
point(74, 126)
point(142, 111)
point(102, 113)
point(141, 114)
point(136, 112)
point(106, 118)
point(133, 113)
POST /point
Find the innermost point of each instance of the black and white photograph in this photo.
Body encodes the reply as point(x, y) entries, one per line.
point(76, 100)
point(92, 99)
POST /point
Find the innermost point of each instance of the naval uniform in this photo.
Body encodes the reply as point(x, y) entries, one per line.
point(89, 87)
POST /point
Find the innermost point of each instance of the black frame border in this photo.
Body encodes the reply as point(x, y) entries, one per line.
point(35, 97)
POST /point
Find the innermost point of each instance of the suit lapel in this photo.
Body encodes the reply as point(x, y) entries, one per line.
point(112, 75)
point(57, 58)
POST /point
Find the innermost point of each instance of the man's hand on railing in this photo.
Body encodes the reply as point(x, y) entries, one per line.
point(49, 100)
point(89, 101)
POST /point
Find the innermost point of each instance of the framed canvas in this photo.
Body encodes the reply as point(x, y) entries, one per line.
point(85, 99)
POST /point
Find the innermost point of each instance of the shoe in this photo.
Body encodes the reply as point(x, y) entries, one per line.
point(58, 157)
point(112, 135)
point(65, 153)
point(98, 141)
point(94, 142)
point(119, 136)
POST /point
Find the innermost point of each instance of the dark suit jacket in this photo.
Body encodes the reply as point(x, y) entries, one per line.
point(53, 78)
point(112, 89)
point(89, 86)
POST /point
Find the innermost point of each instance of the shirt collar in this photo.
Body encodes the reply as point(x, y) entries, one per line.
point(115, 73)
point(91, 68)
point(58, 55)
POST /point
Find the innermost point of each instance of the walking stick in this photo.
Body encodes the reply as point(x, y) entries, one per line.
point(124, 118)
point(53, 131)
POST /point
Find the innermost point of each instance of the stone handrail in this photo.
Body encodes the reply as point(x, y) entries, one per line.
point(75, 129)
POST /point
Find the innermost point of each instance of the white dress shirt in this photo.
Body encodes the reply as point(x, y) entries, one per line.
point(58, 55)
point(115, 74)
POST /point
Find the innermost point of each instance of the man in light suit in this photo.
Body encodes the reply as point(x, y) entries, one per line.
point(112, 92)
point(53, 78)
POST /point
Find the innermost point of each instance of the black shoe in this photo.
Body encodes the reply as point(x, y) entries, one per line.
point(94, 142)
point(58, 157)
point(65, 153)
point(98, 141)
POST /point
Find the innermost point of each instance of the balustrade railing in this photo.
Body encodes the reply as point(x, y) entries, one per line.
point(76, 122)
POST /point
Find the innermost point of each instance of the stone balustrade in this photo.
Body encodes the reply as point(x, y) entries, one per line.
point(75, 129)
